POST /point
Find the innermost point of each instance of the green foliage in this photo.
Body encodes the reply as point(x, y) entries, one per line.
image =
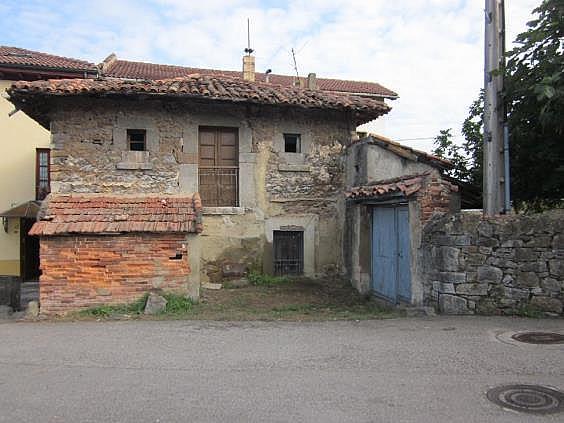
point(534, 94)
point(177, 304)
point(466, 157)
point(256, 278)
point(134, 308)
point(535, 102)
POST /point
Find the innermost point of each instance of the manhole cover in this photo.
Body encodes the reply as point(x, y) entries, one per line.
point(539, 337)
point(528, 398)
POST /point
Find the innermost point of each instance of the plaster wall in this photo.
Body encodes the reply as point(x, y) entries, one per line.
point(20, 136)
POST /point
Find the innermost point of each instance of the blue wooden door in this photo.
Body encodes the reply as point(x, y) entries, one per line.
point(391, 275)
point(404, 259)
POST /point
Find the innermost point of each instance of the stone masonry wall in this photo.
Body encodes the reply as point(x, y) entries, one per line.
point(87, 271)
point(504, 265)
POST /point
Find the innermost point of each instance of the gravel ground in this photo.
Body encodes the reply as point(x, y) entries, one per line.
point(399, 370)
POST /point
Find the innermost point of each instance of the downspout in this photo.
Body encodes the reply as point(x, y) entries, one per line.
point(506, 176)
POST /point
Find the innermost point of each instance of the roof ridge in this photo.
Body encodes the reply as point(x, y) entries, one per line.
point(34, 52)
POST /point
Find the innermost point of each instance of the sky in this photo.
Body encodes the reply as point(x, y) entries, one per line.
point(428, 51)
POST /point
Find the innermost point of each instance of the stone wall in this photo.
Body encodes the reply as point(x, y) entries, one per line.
point(89, 141)
point(504, 265)
point(86, 271)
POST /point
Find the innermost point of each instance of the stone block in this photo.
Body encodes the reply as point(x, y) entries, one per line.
point(558, 242)
point(533, 266)
point(452, 277)
point(539, 241)
point(556, 268)
point(525, 254)
point(527, 279)
point(155, 304)
point(515, 293)
point(448, 258)
point(547, 304)
point(32, 310)
point(512, 243)
point(551, 284)
point(452, 304)
point(489, 274)
point(478, 289)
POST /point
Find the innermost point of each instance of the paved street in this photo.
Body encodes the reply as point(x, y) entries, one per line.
point(404, 370)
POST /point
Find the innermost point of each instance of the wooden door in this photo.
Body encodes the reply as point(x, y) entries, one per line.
point(218, 166)
point(391, 273)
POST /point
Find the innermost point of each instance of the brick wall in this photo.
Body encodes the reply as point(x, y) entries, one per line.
point(438, 197)
point(87, 271)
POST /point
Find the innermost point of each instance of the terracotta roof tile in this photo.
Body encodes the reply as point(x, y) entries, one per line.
point(95, 213)
point(200, 87)
point(14, 56)
point(406, 185)
point(140, 70)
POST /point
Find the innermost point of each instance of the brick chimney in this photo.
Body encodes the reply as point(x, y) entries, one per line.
point(249, 67)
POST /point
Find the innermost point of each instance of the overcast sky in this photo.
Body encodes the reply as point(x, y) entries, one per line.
point(428, 51)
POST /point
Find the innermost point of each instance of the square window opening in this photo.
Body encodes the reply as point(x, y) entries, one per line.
point(137, 139)
point(292, 143)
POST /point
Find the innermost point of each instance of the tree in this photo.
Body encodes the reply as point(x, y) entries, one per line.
point(466, 157)
point(534, 96)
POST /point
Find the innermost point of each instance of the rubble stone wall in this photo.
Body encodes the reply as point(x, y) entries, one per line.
point(504, 265)
point(88, 271)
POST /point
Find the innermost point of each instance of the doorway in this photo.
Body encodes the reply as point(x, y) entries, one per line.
point(391, 261)
point(288, 253)
point(29, 251)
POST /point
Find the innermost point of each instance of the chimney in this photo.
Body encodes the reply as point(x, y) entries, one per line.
point(107, 63)
point(312, 81)
point(249, 67)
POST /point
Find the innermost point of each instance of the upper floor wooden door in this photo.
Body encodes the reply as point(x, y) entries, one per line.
point(218, 166)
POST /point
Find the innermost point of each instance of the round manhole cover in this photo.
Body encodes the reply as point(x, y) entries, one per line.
point(539, 337)
point(528, 398)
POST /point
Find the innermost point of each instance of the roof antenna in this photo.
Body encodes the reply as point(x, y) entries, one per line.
point(295, 64)
point(248, 50)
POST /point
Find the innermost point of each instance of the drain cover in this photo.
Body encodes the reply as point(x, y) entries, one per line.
point(528, 398)
point(539, 337)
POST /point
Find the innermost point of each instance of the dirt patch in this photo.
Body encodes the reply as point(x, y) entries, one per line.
point(296, 299)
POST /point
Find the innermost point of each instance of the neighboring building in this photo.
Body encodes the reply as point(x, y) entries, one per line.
point(24, 162)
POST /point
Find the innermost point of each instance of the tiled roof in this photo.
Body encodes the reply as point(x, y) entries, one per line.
point(140, 70)
point(406, 185)
point(200, 87)
point(20, 57)
point(404, 151)
point(104, 214)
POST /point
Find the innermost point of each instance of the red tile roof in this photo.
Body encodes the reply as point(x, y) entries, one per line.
point(140, 70)
point(406, 185)
point(22, 93)
point(20, 57)
point(104, 214)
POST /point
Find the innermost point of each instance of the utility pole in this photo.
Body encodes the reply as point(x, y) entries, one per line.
point(494, 110)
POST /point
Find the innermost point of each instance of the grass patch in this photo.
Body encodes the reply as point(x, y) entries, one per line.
point(134, 308)
point(177, 304)
point(260, 279)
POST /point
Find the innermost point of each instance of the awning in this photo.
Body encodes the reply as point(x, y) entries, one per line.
point(28, 209)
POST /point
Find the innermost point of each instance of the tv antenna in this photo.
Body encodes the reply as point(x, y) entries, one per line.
point(295, 63)
point(248, 50)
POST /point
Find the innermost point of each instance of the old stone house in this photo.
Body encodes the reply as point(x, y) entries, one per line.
point(265, 158)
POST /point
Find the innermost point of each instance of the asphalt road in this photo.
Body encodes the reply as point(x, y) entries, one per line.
point(404, 370)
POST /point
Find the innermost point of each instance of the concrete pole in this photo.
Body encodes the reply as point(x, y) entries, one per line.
point(494, 113)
